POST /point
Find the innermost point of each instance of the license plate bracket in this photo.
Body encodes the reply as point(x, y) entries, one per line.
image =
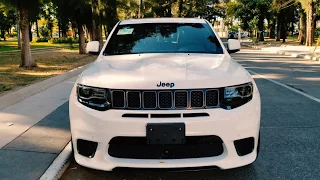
point(166, 133)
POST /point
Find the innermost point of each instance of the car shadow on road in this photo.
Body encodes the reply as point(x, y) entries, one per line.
point(75, 172)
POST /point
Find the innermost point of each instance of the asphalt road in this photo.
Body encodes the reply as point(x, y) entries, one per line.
point(290, 127)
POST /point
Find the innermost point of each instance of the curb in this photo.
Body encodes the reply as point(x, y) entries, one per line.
point(254, 47)
point(303, 56)
point(14, 97)
point(59, 165)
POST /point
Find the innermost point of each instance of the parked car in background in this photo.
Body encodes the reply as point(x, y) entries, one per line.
point(233, 35)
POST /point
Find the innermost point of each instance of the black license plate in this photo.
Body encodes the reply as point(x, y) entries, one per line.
point(166, 133)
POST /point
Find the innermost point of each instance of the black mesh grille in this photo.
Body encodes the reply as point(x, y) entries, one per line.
point(133, 99)
point(212, 98)
point(196, 98)
point(149, 100)
point(165, 99)
point(181, 99)
point(137, 148)
point(118, 99)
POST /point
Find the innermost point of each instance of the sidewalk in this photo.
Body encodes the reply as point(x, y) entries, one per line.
point(34, 131)
point(290, 50)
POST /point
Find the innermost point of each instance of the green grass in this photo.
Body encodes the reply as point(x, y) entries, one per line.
point(12, 44)
point(50, 63)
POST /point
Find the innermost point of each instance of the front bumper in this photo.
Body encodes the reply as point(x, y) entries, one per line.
point(101, 127)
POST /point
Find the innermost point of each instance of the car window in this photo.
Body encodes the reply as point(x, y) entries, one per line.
point(163, 38)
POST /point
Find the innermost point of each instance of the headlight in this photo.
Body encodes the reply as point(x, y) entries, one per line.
point(95, 98)
point(236, 96)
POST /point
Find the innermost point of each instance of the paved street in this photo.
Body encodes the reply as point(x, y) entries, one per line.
point(290, 127)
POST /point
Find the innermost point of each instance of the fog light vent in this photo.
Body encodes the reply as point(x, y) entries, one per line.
point(244, 146)
point(86, 148)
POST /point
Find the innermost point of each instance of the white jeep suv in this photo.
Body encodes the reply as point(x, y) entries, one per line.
point(164, 93)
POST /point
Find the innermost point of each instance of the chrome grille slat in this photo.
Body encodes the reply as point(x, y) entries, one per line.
point(165, 99)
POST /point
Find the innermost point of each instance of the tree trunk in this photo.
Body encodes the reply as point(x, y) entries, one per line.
point(106, 31)
point(37, 27)
point(302, 30)
point(96, 23)
point(59, 29)
point(169, 11)
point(82, 43)
point(2, 32)
point(261, 28)
point(140, 9)
point(88, 33)
point(19, 35)
point(283, 31)
point(278, 27)
point(272, 27)
point(271, 34)
point(310, 27)
point(180, 8)
point(26, 58)
point(30, 32)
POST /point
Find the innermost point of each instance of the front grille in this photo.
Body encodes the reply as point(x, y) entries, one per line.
point(181, 99)
point(118, 99)
point(137, 148)
point(196, 99)
point(133, 99)
point(165, 99)
point(149, 100)
point(212, 98)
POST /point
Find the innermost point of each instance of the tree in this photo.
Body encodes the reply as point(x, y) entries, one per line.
point(310, 11)
point(272, 21)
point(77, 12)
point(82, 9)
point(302, 28)
point(24, 8)
point(311, 8)
point(11, 19)
point(110, 14)
point(96, 22)
point(3, 24)
point(7, 20)
point(49, 12)
point(252, 14)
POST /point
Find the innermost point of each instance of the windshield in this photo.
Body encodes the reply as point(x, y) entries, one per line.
point(163, 38)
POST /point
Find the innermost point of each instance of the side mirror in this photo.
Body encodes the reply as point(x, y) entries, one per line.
point(93, 47)
point(233, 45)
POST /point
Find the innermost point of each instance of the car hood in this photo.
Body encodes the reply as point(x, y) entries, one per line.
point(145, 71)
